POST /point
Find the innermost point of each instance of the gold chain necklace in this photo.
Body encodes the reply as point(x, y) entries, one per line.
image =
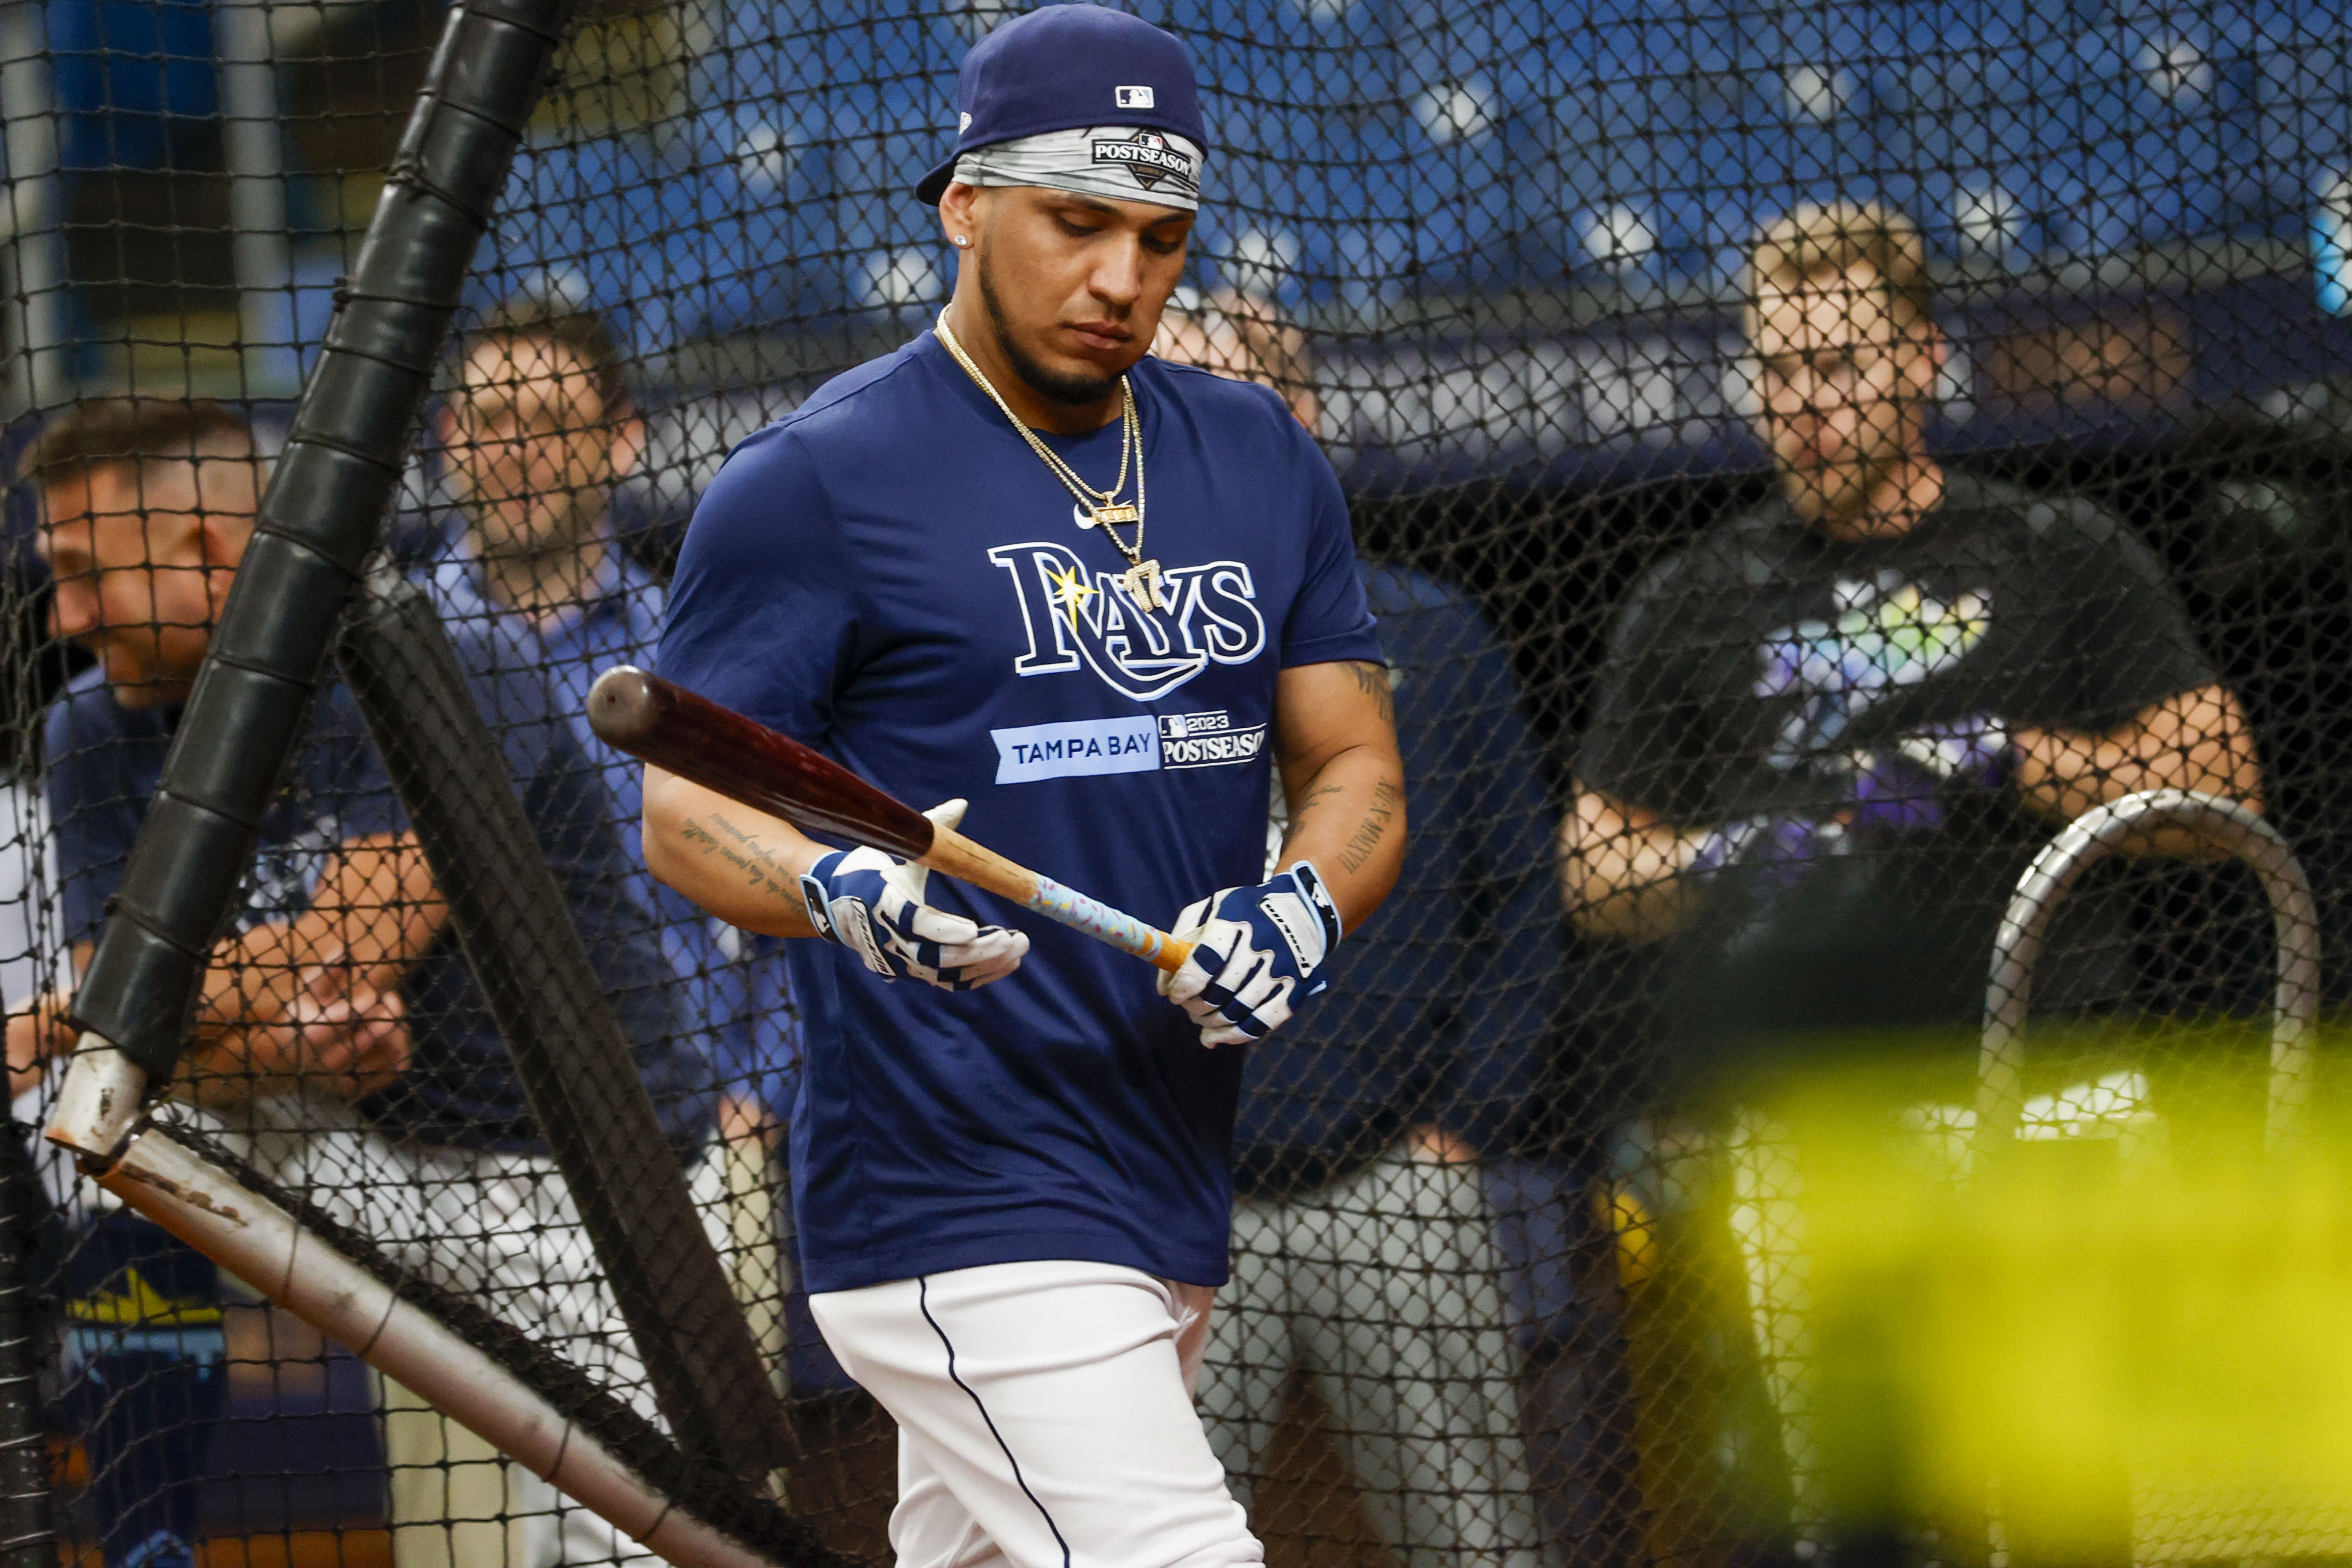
point(1141, 578)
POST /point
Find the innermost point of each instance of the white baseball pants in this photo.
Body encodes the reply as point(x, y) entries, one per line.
point(1044, 1416)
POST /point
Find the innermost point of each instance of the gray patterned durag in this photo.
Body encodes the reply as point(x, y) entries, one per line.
point(1120, 161)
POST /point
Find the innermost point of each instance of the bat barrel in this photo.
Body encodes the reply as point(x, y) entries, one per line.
point(686, 734)
point(625, 706)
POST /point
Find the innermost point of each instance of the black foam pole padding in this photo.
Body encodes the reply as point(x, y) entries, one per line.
point(27, 1523)
point(320, 521)
point(569, 1049)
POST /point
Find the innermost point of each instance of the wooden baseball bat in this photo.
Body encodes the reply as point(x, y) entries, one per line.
point(664, 724)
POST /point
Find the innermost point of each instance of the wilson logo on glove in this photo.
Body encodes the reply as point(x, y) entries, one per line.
point(820, 913)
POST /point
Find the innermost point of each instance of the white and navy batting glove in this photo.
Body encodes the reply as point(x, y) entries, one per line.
point(1257, 953)
point(872, 903)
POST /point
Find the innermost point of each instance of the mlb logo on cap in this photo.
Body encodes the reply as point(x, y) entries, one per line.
point(1070, 67)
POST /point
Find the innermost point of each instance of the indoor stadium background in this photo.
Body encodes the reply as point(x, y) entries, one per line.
point(1512, 238)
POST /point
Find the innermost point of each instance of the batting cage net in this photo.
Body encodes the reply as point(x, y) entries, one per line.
point(1812, 464)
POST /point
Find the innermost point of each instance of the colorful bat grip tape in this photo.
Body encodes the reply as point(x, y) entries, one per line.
point(1075, 909)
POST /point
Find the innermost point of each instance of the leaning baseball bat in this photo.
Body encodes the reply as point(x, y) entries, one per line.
point(664, 724)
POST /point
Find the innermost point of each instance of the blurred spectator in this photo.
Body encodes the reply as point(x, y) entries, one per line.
point(338, 1021)
point(1365, 1251)
point(1240, 336)
point(1830, 733)
point(538, 430)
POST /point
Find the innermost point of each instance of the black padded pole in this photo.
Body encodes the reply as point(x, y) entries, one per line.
point(569, 1049)
point(320, 520)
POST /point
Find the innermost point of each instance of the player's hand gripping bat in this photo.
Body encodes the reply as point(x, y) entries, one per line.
point(671, 727)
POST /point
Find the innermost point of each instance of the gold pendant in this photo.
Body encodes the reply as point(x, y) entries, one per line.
point(1142, 581)
point(1116, 512)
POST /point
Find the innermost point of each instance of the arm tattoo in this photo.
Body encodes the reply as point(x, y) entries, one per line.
point(1368, 833)
point(1372, 680)
point(1316, 797)
point(746, 854)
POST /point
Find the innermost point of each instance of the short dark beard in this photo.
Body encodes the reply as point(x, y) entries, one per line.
point(1070, 392)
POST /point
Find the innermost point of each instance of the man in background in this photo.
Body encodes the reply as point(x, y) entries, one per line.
point(1830, 734)
point(1365, 1251)
point(537, 430)
point(339, 1029)
point(1244, 336)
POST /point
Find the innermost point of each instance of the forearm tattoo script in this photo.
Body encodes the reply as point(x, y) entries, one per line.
point(745, 853)
point(1377, 816)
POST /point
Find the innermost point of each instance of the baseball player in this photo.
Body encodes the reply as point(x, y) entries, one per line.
point(1084, 599)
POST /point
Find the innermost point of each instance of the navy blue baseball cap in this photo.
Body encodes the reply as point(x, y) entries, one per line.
point(1066, 67)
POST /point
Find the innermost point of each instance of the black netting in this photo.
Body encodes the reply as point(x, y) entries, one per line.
point(1802, 456)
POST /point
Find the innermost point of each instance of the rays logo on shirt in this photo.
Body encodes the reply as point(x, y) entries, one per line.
point(1076, 618)
point(1887, 636)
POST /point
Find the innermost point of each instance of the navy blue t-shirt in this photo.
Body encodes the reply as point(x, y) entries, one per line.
point(891, 575)
point(105, 761)
point(1440, 1005)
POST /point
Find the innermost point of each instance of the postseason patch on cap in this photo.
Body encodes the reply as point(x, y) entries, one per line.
point(1069, 67)
point(1122, 162)
point(1151, 157)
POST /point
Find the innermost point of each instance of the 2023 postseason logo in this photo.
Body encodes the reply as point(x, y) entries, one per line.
point(1147, 156)
point(1206, 739)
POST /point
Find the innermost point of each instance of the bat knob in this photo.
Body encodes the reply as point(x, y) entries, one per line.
point(621, 706)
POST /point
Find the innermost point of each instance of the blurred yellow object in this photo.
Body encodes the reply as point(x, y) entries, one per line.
point(2110, 1339)
point(1638, 1246)
point(138, 1302)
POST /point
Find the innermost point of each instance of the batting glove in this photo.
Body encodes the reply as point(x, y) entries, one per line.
point(1257, 951)
point(872, 903)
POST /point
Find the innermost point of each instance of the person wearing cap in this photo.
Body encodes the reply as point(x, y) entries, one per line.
point(1090, 601)
point(1365, 1248)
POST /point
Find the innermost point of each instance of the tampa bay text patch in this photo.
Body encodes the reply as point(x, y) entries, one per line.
point(1076, 747)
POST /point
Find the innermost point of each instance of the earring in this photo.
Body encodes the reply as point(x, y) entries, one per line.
point(963, 240)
